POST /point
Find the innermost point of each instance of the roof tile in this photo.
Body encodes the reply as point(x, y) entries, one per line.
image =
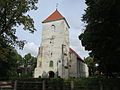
point(54, 16)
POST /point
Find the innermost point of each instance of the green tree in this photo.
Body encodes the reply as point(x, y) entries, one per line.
point(91, 64)
point(102, 33)
point(13, 13)
point(28, 65)
point(8, 68)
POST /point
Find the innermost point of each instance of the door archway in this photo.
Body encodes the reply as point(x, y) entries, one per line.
point(51, 74)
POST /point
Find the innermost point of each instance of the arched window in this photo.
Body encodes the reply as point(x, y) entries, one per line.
point(53, 28)
point(51, 64)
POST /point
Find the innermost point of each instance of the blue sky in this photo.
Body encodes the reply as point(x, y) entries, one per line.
point(72, 10)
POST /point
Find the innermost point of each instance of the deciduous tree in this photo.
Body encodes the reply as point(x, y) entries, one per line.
point(13, 13)
point(102, 33)
point(8, 67)
point(28, 65)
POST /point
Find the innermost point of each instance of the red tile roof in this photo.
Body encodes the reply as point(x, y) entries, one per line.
point(54, 16)
point(76, 54)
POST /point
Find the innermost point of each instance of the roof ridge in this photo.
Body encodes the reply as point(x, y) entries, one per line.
point(76, 54)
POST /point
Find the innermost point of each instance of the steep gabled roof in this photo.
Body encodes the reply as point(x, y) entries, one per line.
point(54, 16)
point(76, 54)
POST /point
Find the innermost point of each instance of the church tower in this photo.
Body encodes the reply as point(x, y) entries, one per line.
point(53, 53)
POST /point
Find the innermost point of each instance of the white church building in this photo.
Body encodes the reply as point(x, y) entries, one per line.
point(55, 57)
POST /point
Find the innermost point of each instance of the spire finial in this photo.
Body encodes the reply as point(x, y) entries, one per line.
point(57, 5)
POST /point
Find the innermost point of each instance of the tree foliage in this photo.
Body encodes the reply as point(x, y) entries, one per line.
point(27, 66)
point(92, 65)
point(8, 68)
point(13, 13)
point(17, 66)
point(102, 33)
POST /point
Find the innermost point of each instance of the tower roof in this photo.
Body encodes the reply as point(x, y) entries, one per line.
point(54, 16)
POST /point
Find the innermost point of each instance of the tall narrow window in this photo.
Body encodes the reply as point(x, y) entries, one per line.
point(53, 28)
point(51, 64)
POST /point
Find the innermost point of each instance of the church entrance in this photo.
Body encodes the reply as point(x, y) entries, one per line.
point(51, 74)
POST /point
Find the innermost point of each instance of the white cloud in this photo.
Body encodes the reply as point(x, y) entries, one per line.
point(30, 47)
